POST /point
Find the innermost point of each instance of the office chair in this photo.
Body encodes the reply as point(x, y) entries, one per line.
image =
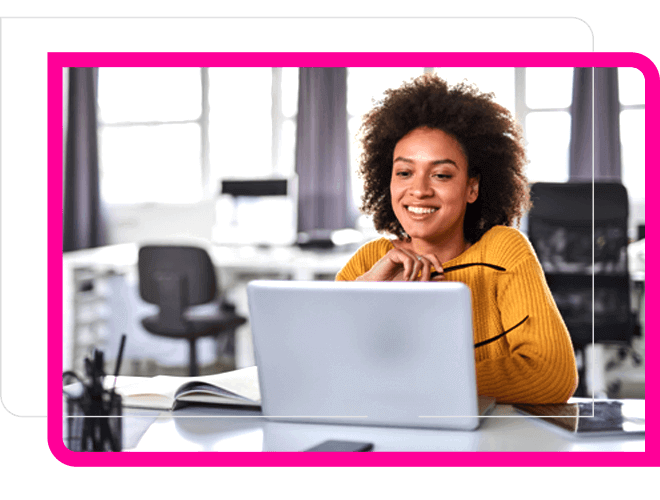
point(175, 278)
point(560, 226)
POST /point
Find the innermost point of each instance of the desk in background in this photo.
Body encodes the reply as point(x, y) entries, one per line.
point(235, 265)
point(292, 261)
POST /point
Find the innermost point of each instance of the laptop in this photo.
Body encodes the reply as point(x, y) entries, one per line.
point(384, 354)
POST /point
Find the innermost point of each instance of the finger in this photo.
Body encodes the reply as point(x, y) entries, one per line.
point(436, 274)
point(439, 271)
point(399, 276)
point(417, 264)
point(426, 269)
point(418, 271)
point(420, 265)
point(436, 263)
point(438, 277)
point(388, 268)
point(422, 268)
point(411, 264)
point(403, 258)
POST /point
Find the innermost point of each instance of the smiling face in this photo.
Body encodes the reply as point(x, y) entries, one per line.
point(430, 187)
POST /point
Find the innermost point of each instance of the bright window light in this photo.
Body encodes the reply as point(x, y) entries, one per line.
point(151, 164)
point(632, 153)
point(549, 87)
point(240, 122)
point(631, 86)
point(149, 94)
point(548, 136)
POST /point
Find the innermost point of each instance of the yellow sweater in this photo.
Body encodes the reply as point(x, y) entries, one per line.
point(533, 362)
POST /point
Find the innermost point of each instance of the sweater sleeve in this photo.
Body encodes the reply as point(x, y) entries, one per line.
point(538, 366)
point(364, 259)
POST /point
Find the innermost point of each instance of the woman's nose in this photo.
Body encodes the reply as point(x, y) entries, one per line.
point(422, 187)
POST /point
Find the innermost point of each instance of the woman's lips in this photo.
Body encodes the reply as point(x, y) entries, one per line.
point(421, 210)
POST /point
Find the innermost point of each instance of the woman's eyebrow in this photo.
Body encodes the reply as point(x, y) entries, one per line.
point(435, 162)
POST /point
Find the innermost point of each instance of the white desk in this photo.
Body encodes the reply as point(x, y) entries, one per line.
point(213, 429)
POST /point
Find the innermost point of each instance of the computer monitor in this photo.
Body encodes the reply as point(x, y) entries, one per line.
point(257, 212)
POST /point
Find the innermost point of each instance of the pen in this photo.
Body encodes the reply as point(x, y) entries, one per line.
point(119, 356)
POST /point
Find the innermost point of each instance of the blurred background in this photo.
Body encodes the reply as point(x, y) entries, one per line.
point(151, 154)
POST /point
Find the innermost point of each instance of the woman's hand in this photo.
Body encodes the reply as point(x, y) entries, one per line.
point(401, 264)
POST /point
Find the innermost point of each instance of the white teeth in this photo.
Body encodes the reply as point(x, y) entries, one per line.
point(420, 210)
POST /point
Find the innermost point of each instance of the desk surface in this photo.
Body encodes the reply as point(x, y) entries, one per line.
point(220, 429)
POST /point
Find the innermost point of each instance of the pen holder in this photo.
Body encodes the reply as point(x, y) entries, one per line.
point(93, 419)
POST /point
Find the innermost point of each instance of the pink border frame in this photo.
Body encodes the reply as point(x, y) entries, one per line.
point(58, 61)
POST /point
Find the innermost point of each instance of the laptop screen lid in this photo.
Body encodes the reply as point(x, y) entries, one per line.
point(395, 354)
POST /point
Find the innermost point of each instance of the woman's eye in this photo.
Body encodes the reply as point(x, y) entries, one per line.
point(402, 174)
point(443, 176)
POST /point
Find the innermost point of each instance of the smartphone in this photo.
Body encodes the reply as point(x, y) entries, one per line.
point(333, 445)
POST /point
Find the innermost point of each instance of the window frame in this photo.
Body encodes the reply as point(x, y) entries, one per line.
point(636, 204)
point(209, 186)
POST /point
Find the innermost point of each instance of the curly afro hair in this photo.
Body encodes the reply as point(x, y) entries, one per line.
point(489, 135)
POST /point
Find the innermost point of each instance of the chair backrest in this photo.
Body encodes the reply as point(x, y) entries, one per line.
point(180, 274)
point(580, 232)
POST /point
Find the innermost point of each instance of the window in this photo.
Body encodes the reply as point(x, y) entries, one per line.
point(168, 135)
point(146, 147)
point(543, 102)
point(632, 102)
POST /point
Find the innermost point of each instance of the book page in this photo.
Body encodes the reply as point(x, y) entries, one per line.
point(163, 385)
point(163, 388)
point(243, 382)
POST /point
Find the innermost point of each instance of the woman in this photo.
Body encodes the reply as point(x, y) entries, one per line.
point(443, 173)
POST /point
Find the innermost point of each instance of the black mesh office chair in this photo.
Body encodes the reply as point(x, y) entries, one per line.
point(175, 278)
point(560, 229)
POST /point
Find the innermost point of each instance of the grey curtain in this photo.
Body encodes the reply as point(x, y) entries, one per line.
point(607, 147)
point(83, 224)
point(322, 150)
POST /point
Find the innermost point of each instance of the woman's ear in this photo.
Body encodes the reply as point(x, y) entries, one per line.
point(473, 189)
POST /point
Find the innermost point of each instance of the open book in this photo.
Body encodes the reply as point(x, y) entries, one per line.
point(238, 387)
